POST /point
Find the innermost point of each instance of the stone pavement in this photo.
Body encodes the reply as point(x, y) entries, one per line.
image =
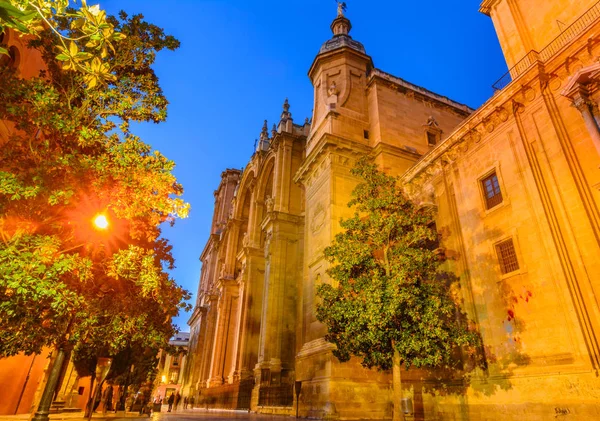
point(216, 415)
point(180, 415)
point(75, 416)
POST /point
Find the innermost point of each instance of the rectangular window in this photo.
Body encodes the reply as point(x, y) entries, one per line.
point(491, 190)
point(507, 257)
point(431, 139)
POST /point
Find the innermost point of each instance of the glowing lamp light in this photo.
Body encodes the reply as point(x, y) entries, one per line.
point(164, 379)
point(100, 221)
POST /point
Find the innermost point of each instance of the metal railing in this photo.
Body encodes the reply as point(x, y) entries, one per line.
point(566, 36)
point(276, 395)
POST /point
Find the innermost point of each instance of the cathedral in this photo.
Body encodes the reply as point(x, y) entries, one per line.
point(516, 189)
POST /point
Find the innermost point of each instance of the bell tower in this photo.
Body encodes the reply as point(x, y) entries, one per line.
point(338, 137)
point(339, 77)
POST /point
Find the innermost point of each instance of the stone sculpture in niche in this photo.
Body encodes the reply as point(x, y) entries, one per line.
point(269, 203)
point(332, 95)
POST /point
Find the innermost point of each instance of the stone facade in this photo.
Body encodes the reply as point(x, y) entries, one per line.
point(516, 186)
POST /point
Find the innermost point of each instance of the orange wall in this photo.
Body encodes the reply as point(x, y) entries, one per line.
point(13, 376)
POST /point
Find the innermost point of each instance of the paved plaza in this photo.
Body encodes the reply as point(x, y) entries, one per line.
point(180, 415)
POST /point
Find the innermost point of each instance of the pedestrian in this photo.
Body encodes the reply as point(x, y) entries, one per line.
point(185, 402)
point(170, 401)
point(191, 402)
point(142, 402)
point(177, 399)
point(117, 398)
point(107, 397)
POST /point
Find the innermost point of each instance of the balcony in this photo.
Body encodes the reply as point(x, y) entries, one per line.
point(590, 17)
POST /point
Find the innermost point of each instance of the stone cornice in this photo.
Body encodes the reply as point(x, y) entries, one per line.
point(198, 311)
point(326, 144)
point(395, 151)
point(285, 137)
point(249, 252)
point(282, 217)
point(213, 238)
point(583, 76)
point(317, 346)
point(484, 120)
point(341, 50)
point(521, 91)
point(226, 282)
point(377, 74)
point(486, 6)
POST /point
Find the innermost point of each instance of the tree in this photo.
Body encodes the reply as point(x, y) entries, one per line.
point(71, 154)
point(83, 47)
point(134, 365)
point(390, 303)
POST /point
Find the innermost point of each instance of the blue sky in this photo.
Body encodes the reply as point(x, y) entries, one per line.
point(239, 60)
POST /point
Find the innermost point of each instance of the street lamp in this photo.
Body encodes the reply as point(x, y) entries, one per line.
point(101, 221)
point(42, 414)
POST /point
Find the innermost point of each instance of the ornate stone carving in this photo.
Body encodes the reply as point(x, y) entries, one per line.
point(269, 203)
point(268, 237)
point(502, 114)
point(245, 240)
point(431, 122)
point(332, 90)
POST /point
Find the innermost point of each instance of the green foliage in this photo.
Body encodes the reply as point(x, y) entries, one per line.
point(388, 288)
point(134, 366)
point(83, 46)
point(71, 155)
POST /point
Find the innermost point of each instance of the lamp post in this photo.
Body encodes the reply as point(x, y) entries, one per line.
point(99, 222)
point(43, 411)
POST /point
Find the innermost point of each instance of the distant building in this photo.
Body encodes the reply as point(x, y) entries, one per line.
point(171, 366)
point(516, 185)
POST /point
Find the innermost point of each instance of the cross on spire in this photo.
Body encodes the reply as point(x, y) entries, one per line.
point(341, 8)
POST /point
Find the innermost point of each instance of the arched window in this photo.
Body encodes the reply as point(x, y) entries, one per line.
point(12, 59)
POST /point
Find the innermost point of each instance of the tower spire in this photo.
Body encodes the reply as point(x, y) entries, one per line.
point(341, 25)
point(341, 8)
point(263, 141)
point(264, 134)
point(286, 115)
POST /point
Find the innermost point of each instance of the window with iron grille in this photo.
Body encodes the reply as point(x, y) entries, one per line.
point(507, 257)
point(491, 190)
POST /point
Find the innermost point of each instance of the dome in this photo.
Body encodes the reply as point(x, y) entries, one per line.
point(339, 41)
point(341, 27)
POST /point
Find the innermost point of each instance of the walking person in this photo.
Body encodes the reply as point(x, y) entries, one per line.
point(107, 397)
point(170, 401)
point(142, 402)
point(185, 402)
point(191, 401)
point(177, 399)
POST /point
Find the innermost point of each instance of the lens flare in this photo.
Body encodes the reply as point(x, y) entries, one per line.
point(101, 222)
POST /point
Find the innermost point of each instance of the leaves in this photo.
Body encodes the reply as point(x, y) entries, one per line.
point(389, 290)
point(83, 46)
point(70, 156)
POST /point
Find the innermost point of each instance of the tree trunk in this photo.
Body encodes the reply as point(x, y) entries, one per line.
point(88, 407)
point(95, 399)
point(398, 414)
